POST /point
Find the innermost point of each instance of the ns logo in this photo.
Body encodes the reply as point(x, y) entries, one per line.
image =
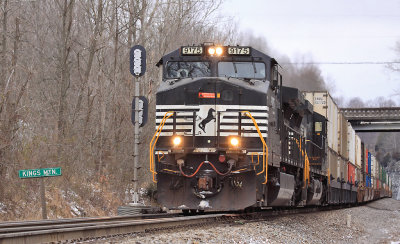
point(210, 116)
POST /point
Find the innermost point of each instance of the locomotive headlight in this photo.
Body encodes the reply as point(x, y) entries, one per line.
point(219, 51)
point(234, 141)
point(177, 140)
point(211, 51)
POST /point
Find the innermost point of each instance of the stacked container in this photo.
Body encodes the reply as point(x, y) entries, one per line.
point(358, 151)
point(324, 105)
point(368, 181)
point(363, 163)
point(351, 143)
point(333, 164)
point(343, 168)
point(342, 136)
point(351, 173)
point(369, 164)
point(373, 166)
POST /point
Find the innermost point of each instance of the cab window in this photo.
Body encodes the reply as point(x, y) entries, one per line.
point(250, 70)
point(187, 69)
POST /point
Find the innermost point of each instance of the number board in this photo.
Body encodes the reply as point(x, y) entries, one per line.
point(239, 50)
point(192, 50)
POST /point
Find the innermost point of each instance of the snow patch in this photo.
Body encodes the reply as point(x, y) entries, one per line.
point(204, 204)
point(2, 208)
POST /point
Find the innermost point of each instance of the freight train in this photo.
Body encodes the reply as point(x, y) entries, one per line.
point(230, 136)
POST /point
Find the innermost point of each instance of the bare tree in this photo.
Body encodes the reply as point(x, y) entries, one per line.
point(381, 102)
point(355, 102)
point(69, 92)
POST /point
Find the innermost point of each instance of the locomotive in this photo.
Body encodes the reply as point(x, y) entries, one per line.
point(230, 136)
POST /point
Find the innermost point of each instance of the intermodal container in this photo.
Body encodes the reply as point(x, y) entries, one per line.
point(351, 173)
point(358, 174)
point(324, 105)
point(343, 168)
point(368, 181)
point(373, 166)
point(362, 170)
point(358, 151)
point(333, 164)
point(342, 136)
point(351, 143)
point(369, 163)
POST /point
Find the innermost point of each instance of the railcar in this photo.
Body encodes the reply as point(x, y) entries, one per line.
point(230, 136)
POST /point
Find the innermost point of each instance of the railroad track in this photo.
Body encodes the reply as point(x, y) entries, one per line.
point(87, 228)
point(81, 229)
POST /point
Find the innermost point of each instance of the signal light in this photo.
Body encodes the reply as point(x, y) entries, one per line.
point(211, 51)
point(234, 141)
point(177, 140)
point(219, 51)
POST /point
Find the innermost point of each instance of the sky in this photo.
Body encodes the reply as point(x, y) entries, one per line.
point(327, 31)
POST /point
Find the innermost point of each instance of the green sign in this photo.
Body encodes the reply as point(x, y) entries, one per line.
point(34, 173)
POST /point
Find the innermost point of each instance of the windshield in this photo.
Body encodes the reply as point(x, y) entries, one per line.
point(248, 70)
point(187, 69)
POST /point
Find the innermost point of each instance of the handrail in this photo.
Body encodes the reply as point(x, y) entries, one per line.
point(265, 147)
point(306, 175)
point(158, 156)
point(152, 145)
point(329, 177)
point(258, 158)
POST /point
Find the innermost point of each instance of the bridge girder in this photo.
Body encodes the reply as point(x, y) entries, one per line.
point(373, 119)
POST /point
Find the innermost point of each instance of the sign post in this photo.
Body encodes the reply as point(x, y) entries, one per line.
point(40, 173)
point(137, 69)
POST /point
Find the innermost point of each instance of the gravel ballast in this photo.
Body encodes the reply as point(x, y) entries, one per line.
point(376, 222)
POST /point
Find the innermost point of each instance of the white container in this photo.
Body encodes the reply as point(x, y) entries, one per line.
point(342, 136)
point(358, 151)
point(377, 165)
point(324, 105)
point(373, 166)
point(351, 143)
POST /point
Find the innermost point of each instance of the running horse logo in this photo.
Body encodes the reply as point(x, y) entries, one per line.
point(204, 122)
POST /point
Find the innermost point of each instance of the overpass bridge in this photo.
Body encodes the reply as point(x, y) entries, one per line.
point(385, 119)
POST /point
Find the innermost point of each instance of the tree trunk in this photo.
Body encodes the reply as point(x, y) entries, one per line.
point(98, 29)
point(64, 69)
point(4, 47)
point(3, 71)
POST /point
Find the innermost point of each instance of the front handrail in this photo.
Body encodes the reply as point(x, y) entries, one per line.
point(265, 147)
point(154, 140)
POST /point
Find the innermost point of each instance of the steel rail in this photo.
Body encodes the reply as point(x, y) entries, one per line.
point(44, 233)
point(19, 226)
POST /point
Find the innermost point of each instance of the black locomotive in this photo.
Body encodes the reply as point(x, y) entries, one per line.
point(229, 136)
